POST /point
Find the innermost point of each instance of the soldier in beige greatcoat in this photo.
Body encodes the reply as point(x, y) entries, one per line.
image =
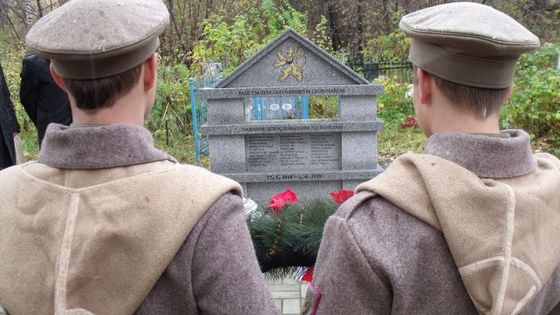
point(103, 222)
point(472, 225)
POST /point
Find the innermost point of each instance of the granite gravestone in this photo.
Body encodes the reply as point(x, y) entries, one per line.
point(312, 157)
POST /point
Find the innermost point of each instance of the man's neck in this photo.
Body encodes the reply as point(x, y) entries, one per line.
point(449, 118)
point(466, 124)
point(129, 109)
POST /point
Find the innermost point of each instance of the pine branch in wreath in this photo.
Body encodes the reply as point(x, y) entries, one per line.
point(289, 238)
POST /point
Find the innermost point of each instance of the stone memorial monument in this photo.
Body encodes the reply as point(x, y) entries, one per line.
point(311, 156)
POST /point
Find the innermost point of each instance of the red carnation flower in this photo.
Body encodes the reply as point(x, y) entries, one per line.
point(279, 200)
point(308, 276)
point(341, 196)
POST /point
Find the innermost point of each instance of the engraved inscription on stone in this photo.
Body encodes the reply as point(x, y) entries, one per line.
point(293, 152)
point(324, 151)
point(262, 151)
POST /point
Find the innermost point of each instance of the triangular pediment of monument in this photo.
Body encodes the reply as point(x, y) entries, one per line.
point(291, 60)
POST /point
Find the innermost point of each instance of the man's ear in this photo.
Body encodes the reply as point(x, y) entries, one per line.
point(425, 85)
point(58, 79)
point(150, 72)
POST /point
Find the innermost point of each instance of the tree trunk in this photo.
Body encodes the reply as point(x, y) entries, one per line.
point(39, 9)
point(335, 36)
point(387, 16)
point(27, 11)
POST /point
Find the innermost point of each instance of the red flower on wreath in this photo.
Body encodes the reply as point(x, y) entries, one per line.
point(341, 196)
point(281, 199)
point(308, 276)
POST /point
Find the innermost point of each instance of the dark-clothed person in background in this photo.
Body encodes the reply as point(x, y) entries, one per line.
point(104, 222)
point(44, 101)
point(473, 225)
point(9, 126)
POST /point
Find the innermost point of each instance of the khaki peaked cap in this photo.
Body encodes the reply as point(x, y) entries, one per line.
point(92, 39)
point(467, 43)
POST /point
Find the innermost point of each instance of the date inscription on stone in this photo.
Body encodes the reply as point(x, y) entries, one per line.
point(293, 152)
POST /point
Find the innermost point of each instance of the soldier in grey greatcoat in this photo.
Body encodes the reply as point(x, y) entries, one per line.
point(104, 222)
point(469, 227)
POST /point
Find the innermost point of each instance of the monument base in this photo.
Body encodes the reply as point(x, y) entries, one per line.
point(308, 186)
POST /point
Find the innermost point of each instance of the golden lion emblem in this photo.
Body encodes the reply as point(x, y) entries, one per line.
point(292, 61)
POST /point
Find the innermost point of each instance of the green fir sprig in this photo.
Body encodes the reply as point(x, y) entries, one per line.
point(289, 239)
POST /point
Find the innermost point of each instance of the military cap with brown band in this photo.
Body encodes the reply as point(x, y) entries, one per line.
point(93, 39)
point(467, 43)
